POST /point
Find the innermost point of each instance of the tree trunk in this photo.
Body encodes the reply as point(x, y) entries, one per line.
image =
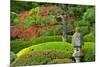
point(64, 26)
point(64, 23)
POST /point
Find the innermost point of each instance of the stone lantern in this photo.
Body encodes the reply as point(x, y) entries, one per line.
point(77, 54)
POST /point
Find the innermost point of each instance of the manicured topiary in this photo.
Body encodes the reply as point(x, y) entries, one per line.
point(43, 53)
point(17, 45)
point(89, 38)
point(60, 61)
point(41, 57)
point(89, 51)
point(84, 30)
point(52, 52)
point(63, 46)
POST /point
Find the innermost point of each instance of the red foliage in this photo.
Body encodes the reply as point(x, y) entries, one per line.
point(23, 33)
point(23, 15)
point(44, 10)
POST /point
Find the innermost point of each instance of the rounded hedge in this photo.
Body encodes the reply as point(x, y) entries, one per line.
point(43, 53)
point(84, 30)
point(47, 53)
point(44, 39)
point(60, 61)
point(63, 46)
point(17, 45)
point(89, 38)
point(40, 57)
point(89, 51)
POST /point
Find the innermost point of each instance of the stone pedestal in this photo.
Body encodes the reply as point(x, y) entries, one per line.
point(77, 59)
point(77, 54)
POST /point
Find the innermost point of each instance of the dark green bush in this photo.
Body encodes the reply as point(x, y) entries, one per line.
point(13, 56)
point(60, 61)
point(84, 30)
point(40, 57)
point(89, 51)
point(17, 45)
point(89, 38)
point(53, 31)
point(44, 39)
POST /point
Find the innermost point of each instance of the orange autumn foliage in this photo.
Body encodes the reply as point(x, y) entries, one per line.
point(21, 32)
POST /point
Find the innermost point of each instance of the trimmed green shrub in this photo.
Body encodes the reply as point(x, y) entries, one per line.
point(44, 39)
point(43, 53)
point(89, 38)
point(89, 51)
point(60, 61)
point(13, 56)
point(63, 46)
point(52, 52)
point(84, 30)
point(17, 45)
point(40, 57)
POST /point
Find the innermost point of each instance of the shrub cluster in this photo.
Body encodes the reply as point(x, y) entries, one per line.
point(60, 61)
point(89, 51)
point(89, 38)
point(63, 46)
point(41, 57)
point(17, 45)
